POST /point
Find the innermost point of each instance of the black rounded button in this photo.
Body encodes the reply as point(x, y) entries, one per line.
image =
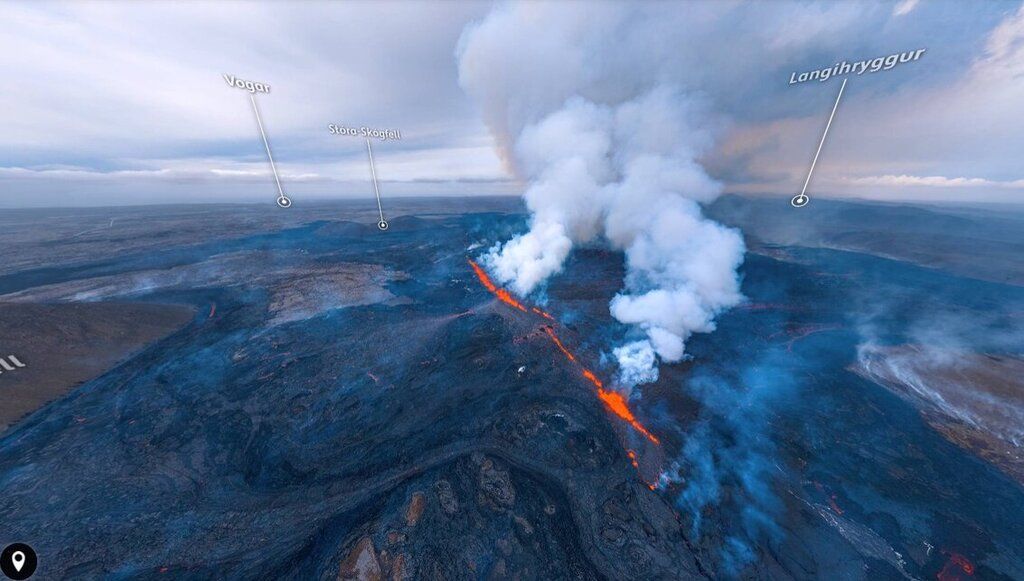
point(18, 561)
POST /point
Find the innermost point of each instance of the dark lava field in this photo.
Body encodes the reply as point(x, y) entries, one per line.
point(349, 403)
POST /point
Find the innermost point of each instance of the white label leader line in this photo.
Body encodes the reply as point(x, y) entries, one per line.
point(800, 200)
point(282, 200)
point(383, 224)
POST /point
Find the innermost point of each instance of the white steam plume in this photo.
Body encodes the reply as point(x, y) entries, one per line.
point(608, 143)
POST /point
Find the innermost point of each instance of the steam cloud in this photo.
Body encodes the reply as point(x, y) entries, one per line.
point(608, 143)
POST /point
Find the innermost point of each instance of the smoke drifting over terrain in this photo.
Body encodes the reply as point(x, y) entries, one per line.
point(608, 145)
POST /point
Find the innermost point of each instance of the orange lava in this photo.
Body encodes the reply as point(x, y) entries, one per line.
point(632, 459)
point(593, 379)
point(612, 400)
point(953, 568)
point(542, 313)
point(617, 404)
point(558, 343)
point(835, 507)
point(502, 294)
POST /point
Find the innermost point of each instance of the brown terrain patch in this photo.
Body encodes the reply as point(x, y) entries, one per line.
point(975, 400)
point(64, 345)
point(415, 509)
point(361, 563)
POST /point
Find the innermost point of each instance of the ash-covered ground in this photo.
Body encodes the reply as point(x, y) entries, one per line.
point(350, 403)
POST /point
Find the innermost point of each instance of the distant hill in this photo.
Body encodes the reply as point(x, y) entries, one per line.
point(968, 241)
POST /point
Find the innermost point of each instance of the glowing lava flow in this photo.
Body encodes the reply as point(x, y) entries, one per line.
point(502, 294)
point(957, 563)
point(611, 399)
point(617, 404)
point(558, 343)
point(542, 313)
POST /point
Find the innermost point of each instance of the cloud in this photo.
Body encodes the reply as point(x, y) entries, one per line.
point(439, 171)
point(609, 152)
point(1004, 50)
point(167, 174)
point(904, 7)
point(110, 86)
point(958, 117)
point(934, 181)
point(439, 164)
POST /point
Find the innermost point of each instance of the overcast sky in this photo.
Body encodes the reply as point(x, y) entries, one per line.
point(122, 103)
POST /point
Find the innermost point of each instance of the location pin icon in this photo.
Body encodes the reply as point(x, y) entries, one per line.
point(18, 558)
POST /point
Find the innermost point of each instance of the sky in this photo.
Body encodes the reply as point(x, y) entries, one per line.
point(125, 103)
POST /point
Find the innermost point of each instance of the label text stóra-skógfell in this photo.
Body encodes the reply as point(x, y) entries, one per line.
point(367, 132)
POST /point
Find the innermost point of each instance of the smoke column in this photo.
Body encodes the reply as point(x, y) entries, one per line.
point(607, 141)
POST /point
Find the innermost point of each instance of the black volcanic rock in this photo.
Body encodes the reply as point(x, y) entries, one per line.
point(352, 402)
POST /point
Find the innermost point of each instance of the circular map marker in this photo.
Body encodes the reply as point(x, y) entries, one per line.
point(18, 561)
point(284, 202)
point(800, 200)
point(383, 224)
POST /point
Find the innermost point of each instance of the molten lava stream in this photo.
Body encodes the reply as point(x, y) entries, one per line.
point(612, 400)
point(542, 313)
point(558, 343)
point(502, 294)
